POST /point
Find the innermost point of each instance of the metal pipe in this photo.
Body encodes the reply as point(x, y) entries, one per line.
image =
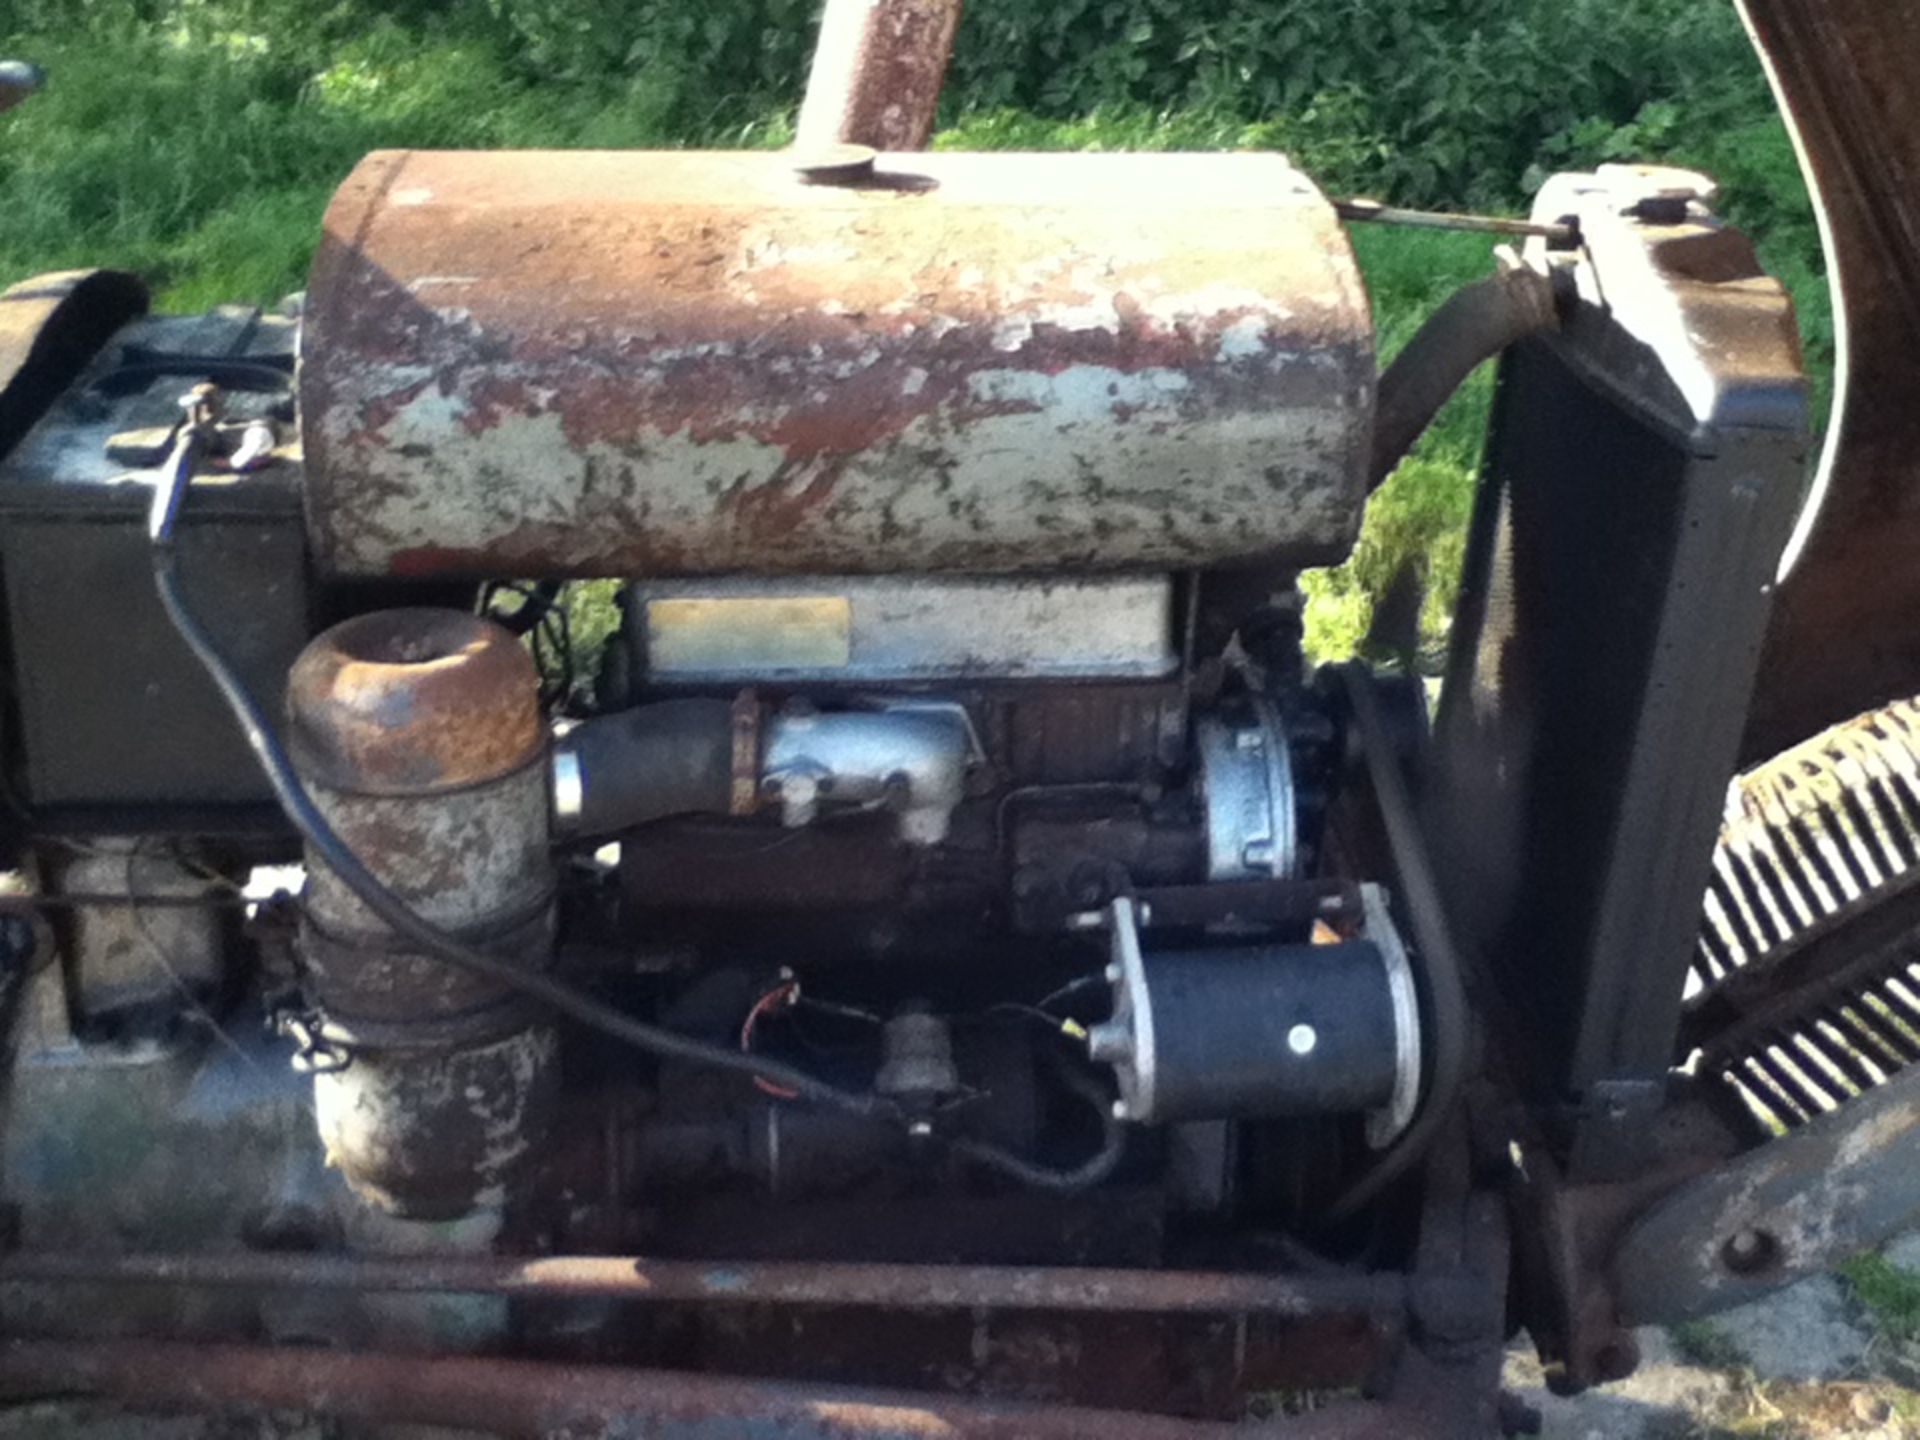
point(924, 1287)
point(1475, 324)
point(534, 1398)
point(877, 73)
point(674, 757)
point(1373, 211)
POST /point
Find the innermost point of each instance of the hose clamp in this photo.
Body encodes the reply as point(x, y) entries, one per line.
point(569, 787)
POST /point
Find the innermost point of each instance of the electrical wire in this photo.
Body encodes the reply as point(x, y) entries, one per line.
point(189, 998)
point(326, 846)
point(782, 995)
point(1096, 1168)
point(836, 1009)
point(1065, 1026)
point(1067, 991)
point(540, 618)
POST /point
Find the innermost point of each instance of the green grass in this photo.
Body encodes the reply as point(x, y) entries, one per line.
point(1703, 1343)
point(197, 143)
point(1417, 520)
point(1890, 1294)
point(202, 158)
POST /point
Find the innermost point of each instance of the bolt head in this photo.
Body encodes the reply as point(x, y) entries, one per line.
point(1751, 1252)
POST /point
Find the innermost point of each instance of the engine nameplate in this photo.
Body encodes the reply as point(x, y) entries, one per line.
point(866, 628)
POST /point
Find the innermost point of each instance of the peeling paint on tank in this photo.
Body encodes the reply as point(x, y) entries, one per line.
point(781, 378)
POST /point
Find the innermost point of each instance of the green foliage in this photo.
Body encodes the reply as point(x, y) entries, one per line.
point(1435, 99)
point(1418, 518)
point(201, 153)
point(164, 111)
point(1703, 1343)
point(1890, 1293)
point(197, 140)
point(1428, 101)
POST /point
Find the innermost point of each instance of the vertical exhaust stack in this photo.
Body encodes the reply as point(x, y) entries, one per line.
point(877, 74)
point(419, 734)
point(18, 80)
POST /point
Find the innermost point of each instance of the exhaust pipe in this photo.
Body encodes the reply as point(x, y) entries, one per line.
point(877, 73)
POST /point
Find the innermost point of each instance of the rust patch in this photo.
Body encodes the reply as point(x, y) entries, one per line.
point(877, 73)
point(643, 364)
point(414, 701)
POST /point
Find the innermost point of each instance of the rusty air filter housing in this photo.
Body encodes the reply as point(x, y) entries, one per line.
point(418, 733)
point(578, 363)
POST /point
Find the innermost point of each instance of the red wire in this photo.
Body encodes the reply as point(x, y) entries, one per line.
point(781, 994)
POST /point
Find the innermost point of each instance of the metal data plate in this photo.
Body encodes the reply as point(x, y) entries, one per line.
point(749, 633)
point(864, 629)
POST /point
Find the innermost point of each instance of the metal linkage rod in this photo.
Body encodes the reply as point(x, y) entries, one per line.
point(924, 1287)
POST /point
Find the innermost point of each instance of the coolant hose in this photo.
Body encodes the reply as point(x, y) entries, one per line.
point(1475, 324)
point(670, 758)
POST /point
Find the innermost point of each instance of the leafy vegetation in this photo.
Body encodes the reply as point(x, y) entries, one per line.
point(197, 140)
point(1891, 1295)
point(1703, 1343)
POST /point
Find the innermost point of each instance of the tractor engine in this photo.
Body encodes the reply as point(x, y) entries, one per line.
point(953, 741)
point(749, 709)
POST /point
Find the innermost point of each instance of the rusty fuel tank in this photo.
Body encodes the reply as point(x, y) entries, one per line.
point(597, 363)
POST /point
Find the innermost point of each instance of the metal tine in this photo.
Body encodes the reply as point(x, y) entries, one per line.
point(1889, 1021)
point(1752, 1077)
point(1836, 1055)
point(1865, 1040)
point(1795, 1084)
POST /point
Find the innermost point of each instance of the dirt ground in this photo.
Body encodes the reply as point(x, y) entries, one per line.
point(1813, 1362)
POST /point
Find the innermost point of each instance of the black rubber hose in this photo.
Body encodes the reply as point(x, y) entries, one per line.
point(1476, 323)
point(1113, 1144)
point(674, 757)
point(1447, 1015)
point(333, 852)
